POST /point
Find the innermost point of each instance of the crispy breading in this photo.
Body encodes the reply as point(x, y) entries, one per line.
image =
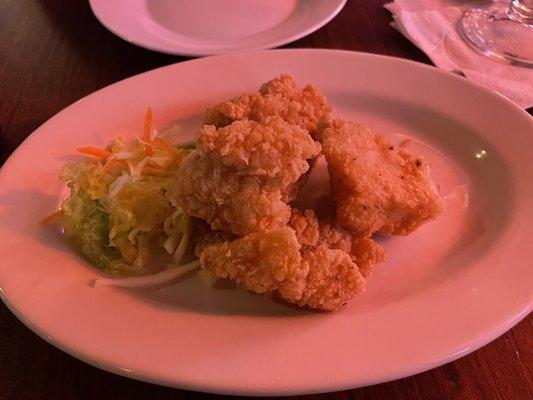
point(378, 187)
point(241, 176)
point(230, 202)
point(366, 253)
point(333, 279)
point(270, 262)
point(263, 262)
point(312, 233)
point(306, 226)
point(274, 150)
point(280, 96)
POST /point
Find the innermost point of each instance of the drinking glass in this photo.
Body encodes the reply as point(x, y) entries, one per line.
point(501, 31)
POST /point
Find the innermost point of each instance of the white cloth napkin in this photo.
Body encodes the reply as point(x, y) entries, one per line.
point(431, 26)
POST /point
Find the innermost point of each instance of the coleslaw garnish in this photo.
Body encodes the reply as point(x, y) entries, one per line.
point(121, 200)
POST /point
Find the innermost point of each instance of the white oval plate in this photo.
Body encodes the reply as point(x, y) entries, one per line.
point(446, 290)
point(204, 27)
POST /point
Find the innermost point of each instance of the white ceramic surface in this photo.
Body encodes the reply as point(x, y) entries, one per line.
point(204, 27)
point(446, 290)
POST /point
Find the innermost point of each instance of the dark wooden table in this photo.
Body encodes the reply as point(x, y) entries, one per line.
point(53, 52)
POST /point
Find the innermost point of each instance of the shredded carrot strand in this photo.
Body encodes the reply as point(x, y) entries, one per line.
point(95, 151)
point(165, 145)
point(51, 217)
point(149, 149)
point(147, 131)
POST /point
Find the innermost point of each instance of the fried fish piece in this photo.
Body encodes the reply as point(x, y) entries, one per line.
point(270, 262)
point(280, 96)
point(229, 202)
point(241, 176)
point(311, 233)
point(377, 186)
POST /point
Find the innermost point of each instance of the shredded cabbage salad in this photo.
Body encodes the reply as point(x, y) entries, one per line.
point(121, 202)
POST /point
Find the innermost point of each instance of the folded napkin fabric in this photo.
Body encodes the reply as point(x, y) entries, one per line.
point(432, 26)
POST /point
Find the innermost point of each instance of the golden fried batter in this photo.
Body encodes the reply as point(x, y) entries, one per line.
point(312, 233)
point(333, 279)
point(377, 186)
point(229, 202)
point(271, 263)
point(280, 96)
point(274, 150)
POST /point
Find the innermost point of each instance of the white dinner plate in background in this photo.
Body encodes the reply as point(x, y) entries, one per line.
point(204, 27)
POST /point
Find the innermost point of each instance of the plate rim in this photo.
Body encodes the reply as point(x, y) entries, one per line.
point(280, 42)
point(295, 391)
point(501, 328)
